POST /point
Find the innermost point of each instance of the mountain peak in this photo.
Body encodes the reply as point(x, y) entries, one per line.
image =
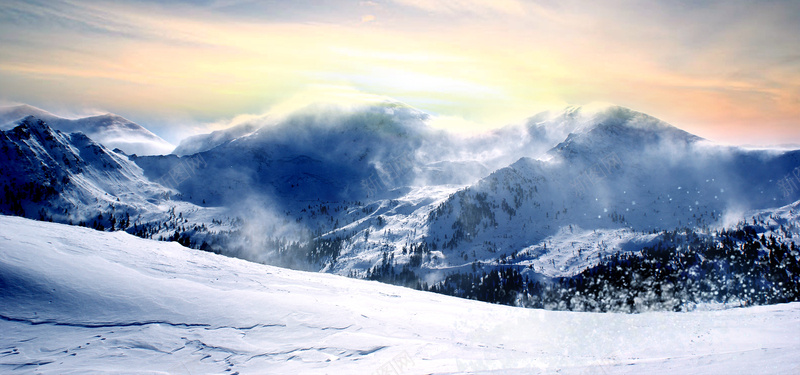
point(618, 119)
point(33, 125)
point(30, 120)
point(601, 125)
point(604, 118)
point(616, 128)
point(24, 107)
point(113, 121)
point(385, 118)
point(111, 130)
point(14, 114)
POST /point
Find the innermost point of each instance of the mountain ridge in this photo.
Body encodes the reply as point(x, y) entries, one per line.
point(112, 130)
point(67, 177)
point(377, 194)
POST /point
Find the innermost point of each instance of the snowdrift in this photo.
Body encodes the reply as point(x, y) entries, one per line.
point(74, 300)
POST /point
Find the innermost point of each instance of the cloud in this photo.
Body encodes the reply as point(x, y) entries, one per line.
point(235, 121)
point(506, 7)
point(330, 95)
point(705, 64)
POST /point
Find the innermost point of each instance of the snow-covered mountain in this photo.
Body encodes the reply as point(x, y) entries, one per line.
point(110, 130)
point(48, 174)
point(10, 115)
point(75, 300)
point(323, 153)
point(532, 138)
point(447, 154)
point(378, 182)
point(204, 142)
point(616, 179)
point(629, 170)
point(374, 192)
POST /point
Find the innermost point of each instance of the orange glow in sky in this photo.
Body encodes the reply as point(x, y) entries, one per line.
point(725, 70)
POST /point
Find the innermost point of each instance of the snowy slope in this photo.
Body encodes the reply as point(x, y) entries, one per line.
point(74, 300)
point(111, 130)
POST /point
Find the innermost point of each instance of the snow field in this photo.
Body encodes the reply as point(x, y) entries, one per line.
point(75, 300)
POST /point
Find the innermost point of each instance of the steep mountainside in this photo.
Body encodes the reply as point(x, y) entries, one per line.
point(48, 174)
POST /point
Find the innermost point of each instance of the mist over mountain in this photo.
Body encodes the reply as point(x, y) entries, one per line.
point(373, 191)
point(204, 142)
point(111, 130)
point(627, 172)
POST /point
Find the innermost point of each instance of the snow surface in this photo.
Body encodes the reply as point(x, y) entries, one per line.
point(74, 300)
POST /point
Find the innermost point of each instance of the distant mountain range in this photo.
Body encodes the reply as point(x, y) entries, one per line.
point(111, 130)
point(374, 192)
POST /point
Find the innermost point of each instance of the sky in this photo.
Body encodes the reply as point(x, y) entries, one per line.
point(726, 70)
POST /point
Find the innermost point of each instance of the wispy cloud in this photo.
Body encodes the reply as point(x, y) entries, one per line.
point(507, 7)
point(704, 63)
